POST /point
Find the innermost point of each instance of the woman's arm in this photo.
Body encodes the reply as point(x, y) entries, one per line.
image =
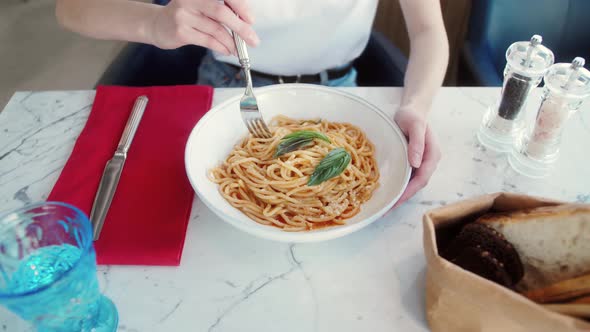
point(108, 19)
point(429, 55)
point(181, 22)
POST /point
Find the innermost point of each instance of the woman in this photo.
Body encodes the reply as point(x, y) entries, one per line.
point(311, 41)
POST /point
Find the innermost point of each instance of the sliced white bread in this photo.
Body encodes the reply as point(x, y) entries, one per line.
point(553, 242)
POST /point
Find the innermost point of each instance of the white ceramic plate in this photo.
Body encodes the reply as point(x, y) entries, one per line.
point(221, 128)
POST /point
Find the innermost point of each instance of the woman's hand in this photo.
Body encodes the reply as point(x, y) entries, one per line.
point(427, 64)
point(201, 22)
point(423, 151)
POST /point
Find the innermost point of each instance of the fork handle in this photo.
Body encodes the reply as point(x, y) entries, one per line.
point(244, 59)
point(242, 51)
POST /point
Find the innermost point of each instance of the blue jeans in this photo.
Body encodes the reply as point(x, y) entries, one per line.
point(222, 75)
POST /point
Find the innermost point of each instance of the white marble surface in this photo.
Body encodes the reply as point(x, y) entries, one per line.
point(230, 281)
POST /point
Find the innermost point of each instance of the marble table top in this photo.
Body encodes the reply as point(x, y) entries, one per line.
point(372, 280)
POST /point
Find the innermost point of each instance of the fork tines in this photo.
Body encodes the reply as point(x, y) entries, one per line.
point(258, 128)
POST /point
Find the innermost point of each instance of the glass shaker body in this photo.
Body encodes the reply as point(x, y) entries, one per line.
point(526, 62)
point(536, 150)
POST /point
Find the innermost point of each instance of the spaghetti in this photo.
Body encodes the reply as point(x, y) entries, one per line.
point(274, 190)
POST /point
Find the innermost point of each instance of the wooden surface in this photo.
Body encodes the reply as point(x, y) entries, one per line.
point(390, 21)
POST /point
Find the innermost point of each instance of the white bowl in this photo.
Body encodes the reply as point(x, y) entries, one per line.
point(222, 128)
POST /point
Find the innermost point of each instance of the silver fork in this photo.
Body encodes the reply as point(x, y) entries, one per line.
point(248, 104)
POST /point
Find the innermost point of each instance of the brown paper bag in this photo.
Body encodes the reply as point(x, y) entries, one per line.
point(458, 300)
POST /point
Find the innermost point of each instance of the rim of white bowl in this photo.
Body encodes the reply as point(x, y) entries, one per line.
point(272, 233)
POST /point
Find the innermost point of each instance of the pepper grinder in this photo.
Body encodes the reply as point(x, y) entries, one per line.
point(566, 87)
point(526, 63)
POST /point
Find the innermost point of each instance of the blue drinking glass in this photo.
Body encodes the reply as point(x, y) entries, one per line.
point(48, 270)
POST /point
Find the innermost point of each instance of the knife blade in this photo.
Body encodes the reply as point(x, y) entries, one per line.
point(114, 168)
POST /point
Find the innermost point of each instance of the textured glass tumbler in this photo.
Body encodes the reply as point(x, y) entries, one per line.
point(48, 270)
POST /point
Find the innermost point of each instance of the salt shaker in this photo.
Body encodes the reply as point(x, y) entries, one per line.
point(526, 63)
point(566, 87)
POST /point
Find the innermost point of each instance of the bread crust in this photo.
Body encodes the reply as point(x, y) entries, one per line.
point(535, 213)
point(563, 291)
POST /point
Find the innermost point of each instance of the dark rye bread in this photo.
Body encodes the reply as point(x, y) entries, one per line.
point(483, 264)
point(491, 248)
point(488, 239)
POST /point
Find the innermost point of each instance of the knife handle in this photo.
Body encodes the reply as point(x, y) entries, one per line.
point(132, 124)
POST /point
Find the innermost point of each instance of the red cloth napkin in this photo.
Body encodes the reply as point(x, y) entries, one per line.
point(147, 220)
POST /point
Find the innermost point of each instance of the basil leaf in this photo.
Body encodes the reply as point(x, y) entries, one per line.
point(297, 140)
point(334, 163)
point(291, 145)
point(307, 134)
point(316, 121)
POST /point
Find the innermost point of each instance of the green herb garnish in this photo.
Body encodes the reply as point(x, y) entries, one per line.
point(297, 140)
point(334, 163)
point(316, 121)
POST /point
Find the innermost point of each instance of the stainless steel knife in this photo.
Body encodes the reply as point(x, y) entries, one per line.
point(113, 169)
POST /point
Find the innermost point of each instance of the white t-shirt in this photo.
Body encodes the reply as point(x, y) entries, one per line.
point(308, 36)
